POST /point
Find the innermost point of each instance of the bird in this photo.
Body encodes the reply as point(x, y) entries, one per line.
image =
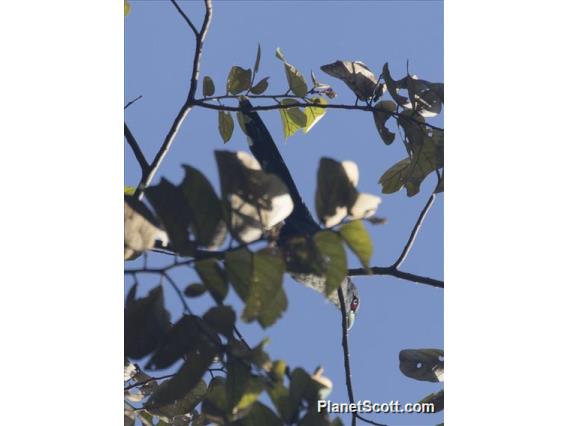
point(300, 222)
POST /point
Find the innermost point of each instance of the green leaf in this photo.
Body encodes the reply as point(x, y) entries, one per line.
point(238, 264)
point(186, 379)
point(257, 62)
point(260, 87)
point(314, 113)
point(129, 190)
point(208, 86)
point(213, 277)
point(126, 8)
point(194, 290)
point(358, 240)
point(434, 398)
point(146, 323)
point(215, 403)
point(411, 172)
point(243, 388)
point(183, 405)
point(226, 125)
point(266, 301)
point(381, 118)
point(172, 208)
point(238, 80)
point(260, 414)
point(331, 249)
point(422, 364)
point(280, 55)
point(221, 319)
point(206, 210)
point(293, 119)
point(393, 179)
point(296, 80)
point(280, 397)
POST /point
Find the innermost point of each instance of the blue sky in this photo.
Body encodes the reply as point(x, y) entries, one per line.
point(394, 314)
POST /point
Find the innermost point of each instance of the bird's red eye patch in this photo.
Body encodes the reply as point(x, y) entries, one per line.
point(354, 304)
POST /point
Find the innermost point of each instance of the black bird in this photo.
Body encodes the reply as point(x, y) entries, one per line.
point(300, 222)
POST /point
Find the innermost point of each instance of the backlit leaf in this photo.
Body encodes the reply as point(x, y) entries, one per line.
point(335, 260)
point(358, 240)
point(293, 119)
point(208, 86)
point(260, 87)
point(238, 80)
point(238, 264)
point(314, 113)
point(296, 80)
point(226, 125)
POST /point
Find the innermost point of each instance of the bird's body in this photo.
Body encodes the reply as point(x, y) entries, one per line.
point(300, 222)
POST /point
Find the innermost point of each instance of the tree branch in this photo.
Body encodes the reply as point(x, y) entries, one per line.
point(184, 16)
point(132, 101)
point(136, 149)
point(202, 103)
point(415, 230)
point(345, 345)
point(186, 107)
point(389, 270)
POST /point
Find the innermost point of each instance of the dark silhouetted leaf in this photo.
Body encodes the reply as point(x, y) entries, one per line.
point(422, 364)
point(226, 125)
point(171, 207)
point(186, 335)
point(335, 192)
point(257, 61)
point(358, 77)
point(194, 290)
point(221, 319)
point(393, 179)
point(333, 253)
point(186, 379)
point(266, 301)
point(358, 240)
point(424, 96)
point(238, 80)
point(260, 87)
point(258, 200)
point(238, 264)
point(215, 404)
point(314, 113)
point(260, 414)
point(207, 222)
point(146, 324)
point(293, 119)
point(243, 388)
point(213, 278)
point(394, 86)
point(381, 118)
point(183, 405)
point(208, 86)
point(435, 398)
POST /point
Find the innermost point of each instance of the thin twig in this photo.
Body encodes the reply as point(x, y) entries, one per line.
point(345, 345)
point(389, 270)
point(202, 103)
point(184, 16)
point(414, 232)
point(178, 291)
point(136, 149)
point(132, 101)
point(151, 379)
point(185, 108)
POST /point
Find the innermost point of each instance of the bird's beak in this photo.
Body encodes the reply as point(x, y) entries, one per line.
point(350, 319)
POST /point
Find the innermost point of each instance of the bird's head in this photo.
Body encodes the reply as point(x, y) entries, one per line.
point(352, 301)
